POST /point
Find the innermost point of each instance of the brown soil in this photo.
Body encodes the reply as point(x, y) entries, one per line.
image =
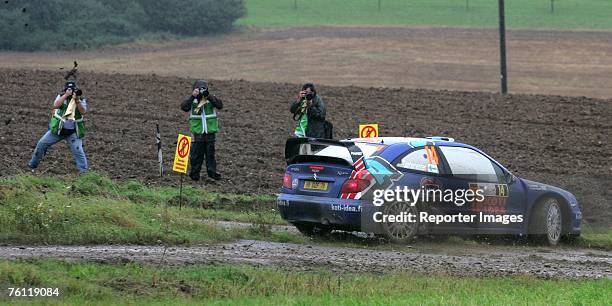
point(456, 261)
point(571, 63)
point(558, 140)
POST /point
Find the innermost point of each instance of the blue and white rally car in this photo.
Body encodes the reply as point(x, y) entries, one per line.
point(401, 187)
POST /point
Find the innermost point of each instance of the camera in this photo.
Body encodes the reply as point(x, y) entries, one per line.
point(309, 96)
point(75, 90)
point(204, 91)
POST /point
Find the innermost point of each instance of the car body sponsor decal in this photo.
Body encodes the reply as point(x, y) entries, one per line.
point(495, 198)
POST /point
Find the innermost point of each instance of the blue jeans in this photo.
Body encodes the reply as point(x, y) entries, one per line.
point(49, 139)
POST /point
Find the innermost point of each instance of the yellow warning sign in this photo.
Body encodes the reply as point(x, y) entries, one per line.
point(368, 130)
point(181, 157)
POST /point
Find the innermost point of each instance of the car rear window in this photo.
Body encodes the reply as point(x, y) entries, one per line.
point(368, 150)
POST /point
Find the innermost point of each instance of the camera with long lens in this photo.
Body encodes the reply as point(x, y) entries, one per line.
point(75, 90)
point(204, 92)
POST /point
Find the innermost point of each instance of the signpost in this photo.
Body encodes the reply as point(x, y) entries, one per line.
point(368, 130)
point(160, 159)
point(181, 161)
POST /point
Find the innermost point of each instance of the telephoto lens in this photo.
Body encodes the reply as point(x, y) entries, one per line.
point(204, 91)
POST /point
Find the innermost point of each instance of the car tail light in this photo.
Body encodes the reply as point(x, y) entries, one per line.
point(354, 186)
point(316, 168)
point(287, 181)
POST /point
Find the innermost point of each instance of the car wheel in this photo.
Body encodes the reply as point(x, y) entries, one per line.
point(312, 230)
point(400, 232)
point(547, 222)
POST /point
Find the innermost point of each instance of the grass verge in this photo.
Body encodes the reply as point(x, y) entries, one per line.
point(104, 284)
point(92, 209)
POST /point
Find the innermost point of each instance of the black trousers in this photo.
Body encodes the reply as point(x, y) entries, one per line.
point(203, 146)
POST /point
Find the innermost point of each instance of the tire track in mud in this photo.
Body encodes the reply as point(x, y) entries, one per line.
point(464, 261)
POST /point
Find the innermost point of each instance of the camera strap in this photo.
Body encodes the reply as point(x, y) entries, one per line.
point(200, 105)
point(70, 110)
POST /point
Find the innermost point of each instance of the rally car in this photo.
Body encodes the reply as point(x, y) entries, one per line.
point(332, 185)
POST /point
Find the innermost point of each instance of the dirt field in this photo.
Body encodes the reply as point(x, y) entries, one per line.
point(558, 140)
point(542, 62)
point(448, 260)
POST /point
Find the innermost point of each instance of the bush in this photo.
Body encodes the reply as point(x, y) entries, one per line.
point(65, 25)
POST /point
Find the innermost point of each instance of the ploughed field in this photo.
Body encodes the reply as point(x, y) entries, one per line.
point(563, 141)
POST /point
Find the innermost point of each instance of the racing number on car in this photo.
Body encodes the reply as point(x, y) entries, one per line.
point(368, 130)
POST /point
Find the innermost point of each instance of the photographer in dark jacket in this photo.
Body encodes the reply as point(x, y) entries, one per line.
point(309, 112)
point(203, 125)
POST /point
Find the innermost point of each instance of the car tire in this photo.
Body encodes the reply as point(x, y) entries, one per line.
point(400, 232)
point(546, 224)
point(312, 230)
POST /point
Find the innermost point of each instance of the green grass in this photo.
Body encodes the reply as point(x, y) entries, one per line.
point(104, 284)
point(92, 209)
point(595, 237)
point(568, 14)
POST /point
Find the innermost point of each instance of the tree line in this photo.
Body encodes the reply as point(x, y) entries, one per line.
point(67, 24)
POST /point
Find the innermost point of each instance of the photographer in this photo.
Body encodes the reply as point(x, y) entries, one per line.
point(203, 125)
point(66, 124)
point(309, 112)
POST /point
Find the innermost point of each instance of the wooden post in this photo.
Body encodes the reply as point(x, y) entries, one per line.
point(502, 48)
point(160, 159)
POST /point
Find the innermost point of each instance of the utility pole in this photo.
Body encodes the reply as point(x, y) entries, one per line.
point(502, 48)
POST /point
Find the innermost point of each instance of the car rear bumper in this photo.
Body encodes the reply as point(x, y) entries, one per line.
point(338, 213)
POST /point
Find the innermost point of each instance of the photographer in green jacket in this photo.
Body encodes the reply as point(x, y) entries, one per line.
point(203, 125)
point(66, 124)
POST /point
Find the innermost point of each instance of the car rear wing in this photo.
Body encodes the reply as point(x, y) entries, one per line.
point(314, 150)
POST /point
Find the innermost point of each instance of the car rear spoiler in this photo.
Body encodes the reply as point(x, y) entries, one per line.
point(293, 155)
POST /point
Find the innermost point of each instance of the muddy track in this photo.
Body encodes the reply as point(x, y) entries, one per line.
point(563, 141)
point(475, 261)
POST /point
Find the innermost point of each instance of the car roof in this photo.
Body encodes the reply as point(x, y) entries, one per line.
point(412, 141)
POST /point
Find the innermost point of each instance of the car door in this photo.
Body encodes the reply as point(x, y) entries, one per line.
point(470, 169)
point(424, 172)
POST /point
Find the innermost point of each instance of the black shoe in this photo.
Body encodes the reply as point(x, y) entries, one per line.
point(214, 175)
point(195, 178)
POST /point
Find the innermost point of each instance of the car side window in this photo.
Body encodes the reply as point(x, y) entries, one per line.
point(468, 164)
point(416, 160)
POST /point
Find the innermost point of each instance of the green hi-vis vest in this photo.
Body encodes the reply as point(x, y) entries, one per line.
point(57, 122)
point(203, 122)
point(302, 126)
